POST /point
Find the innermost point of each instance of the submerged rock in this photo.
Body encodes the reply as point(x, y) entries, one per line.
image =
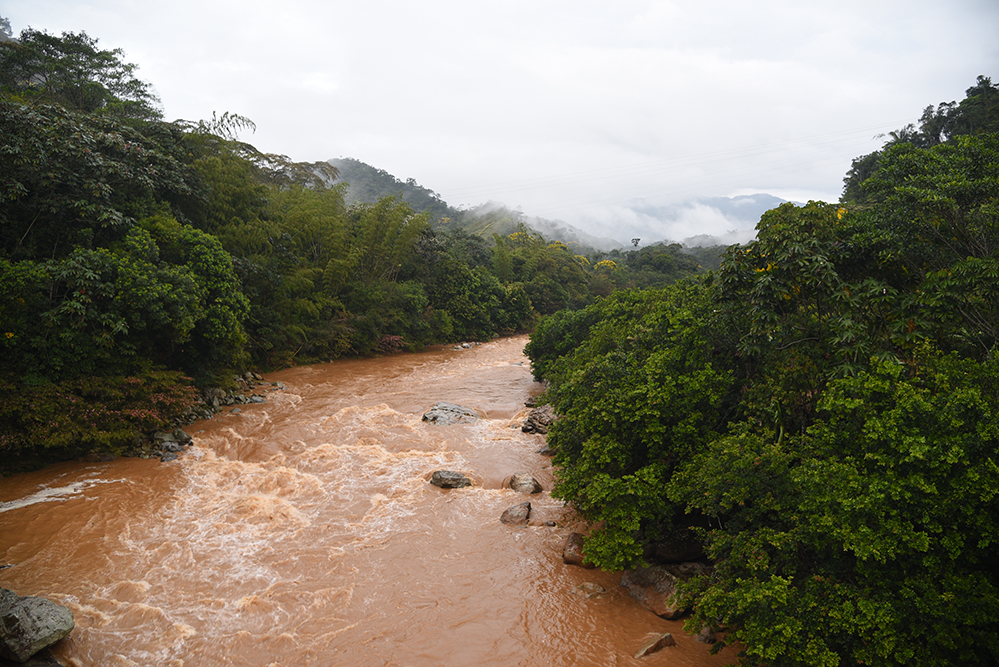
point(654, 587)
point(517, 515)
point(449, 479)
point(30, 624)
point(524, 482)
point(656, 644)
point(446, 414)
point(589, 590)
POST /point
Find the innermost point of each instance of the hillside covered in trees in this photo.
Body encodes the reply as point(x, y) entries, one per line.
point(822, 412)
point(142, 260)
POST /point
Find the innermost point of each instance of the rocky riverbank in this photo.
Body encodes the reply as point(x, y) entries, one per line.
point(170, 443)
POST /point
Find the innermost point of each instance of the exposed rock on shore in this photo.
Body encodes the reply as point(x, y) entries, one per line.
point(654, 587)
point(30, 624)
point(539, 420)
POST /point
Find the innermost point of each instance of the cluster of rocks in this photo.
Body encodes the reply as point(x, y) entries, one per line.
point(213, 399)
point(169, 444)
point(464, 346)
point(654, 587)
point(30, 624)
point(447, 414)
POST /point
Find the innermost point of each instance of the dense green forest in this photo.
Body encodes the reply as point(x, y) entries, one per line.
point(822, 411)
point(143, 260)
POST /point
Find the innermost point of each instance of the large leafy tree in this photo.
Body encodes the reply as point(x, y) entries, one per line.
point(71, 71)
point(69, 179)
point(977, 113)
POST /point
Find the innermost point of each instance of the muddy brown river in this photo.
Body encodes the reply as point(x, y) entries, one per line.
point(304, 531)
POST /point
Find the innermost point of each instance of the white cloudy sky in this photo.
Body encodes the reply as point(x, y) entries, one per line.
point(566, 109)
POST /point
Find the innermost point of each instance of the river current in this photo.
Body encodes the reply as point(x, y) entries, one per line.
point(304, 531)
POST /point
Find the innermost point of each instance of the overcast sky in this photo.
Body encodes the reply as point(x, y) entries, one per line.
point(572, 110)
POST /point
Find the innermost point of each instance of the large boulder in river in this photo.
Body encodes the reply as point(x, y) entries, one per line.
point(449, 479)
point(539, 420)
point(445, 414)
point(29, 624)
point(655, 644)
point(524, 482)
point(518, 515)
point(655, 589)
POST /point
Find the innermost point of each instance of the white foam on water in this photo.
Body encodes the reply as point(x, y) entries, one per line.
point(58, 494)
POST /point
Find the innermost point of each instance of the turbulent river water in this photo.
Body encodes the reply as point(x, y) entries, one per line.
point(304, 531)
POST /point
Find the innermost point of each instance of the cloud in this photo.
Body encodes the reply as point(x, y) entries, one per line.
point(570, 109)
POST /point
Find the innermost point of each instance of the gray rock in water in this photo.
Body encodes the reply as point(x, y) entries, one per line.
point(445, 414)
point(30, 624)
point(656, 644)
point(517, 515)
point(524, 482)
point(171, 446)
point(654, 587)
point(449, 479)
point(181, 436)
point(539, 420)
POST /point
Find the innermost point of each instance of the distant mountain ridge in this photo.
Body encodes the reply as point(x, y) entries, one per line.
point(697, 222)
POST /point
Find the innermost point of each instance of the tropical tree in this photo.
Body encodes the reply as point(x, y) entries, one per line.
point(71, 71)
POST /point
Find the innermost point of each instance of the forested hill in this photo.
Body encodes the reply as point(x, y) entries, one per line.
point(366, 184)
point(821, 414)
